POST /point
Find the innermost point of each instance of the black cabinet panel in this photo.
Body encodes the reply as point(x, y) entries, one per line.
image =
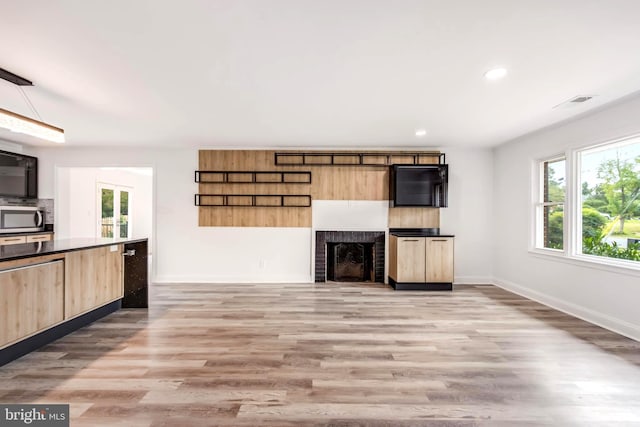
point(136, 280)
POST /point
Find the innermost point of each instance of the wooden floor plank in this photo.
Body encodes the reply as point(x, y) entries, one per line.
point(335, 355)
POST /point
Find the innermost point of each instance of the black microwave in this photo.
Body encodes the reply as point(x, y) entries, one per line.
point(18, 175)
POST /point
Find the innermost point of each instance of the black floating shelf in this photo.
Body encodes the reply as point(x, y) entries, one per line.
point(253, 177)
point(254, 200)
point(342, 158)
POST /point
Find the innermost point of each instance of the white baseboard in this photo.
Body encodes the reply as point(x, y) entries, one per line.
point(226, 280)
point(616, 325)
point(473, 280)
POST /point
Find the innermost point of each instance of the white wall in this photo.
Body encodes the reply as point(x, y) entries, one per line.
point(604, 296)
point(13, 147)
point(362, 215)
point(469, 215)
point(61, 206)
point(184, 252)
point(76, 200)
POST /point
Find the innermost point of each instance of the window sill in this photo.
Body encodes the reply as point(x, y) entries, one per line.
point(590, 261)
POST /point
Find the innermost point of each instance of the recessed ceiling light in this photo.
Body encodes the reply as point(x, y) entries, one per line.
point(495, 73)
point(421, 132)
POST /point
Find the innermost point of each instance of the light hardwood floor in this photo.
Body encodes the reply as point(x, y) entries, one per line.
point(335, 354)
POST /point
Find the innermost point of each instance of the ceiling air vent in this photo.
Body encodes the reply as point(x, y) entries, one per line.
point(574, 101)
point(582, 98)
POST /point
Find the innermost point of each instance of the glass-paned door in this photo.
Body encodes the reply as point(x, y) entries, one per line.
point(124, 214)
point(114, 211)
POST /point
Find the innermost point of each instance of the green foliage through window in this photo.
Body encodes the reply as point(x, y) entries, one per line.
point(610, 196)
point(596, 246)
point(611, 201)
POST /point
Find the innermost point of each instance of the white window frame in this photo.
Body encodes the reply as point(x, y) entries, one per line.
point(572, 224)
point(117, 192)
point(539, 204)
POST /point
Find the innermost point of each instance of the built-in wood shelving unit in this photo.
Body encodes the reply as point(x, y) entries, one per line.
point(341, 158)
point(254, 200)
point(253, 177)
point(336, 175)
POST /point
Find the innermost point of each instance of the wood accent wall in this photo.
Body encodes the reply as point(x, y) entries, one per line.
point(414, 217)
point(328, 183)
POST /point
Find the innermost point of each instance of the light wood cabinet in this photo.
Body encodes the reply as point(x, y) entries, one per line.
point(439, 259)
point(421, 260)
point(39, 237)
point(25, 238)
point(93, 277)
point(40, 293)
point(31, 299)
point(410, 254)
point(13, 240)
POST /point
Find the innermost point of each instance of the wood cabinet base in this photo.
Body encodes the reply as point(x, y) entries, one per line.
point(34, 342)
point(412, 286)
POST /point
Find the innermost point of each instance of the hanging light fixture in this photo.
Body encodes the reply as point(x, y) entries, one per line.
point(21, 124)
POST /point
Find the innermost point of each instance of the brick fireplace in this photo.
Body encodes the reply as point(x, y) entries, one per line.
point(349, 256)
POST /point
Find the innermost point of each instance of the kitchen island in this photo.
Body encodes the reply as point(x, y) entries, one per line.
point(49, 289)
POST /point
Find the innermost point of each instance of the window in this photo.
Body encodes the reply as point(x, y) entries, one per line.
point(610, 200)
point(551, 204)
point(587, 204)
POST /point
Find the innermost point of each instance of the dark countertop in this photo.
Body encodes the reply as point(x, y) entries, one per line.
point(27, 250)
point(418, 232)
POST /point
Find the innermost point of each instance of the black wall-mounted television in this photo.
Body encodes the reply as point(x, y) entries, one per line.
point(419, 185)
point(18, 175)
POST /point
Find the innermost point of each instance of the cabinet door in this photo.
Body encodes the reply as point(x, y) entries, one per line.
point(93, 278)
point(135, 275)
point(12, 240)
point(411, 256)
point(31, 299)
point(439, 260)
point(39, 238)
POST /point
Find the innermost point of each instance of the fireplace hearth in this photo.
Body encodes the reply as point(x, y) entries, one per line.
point(349, 256)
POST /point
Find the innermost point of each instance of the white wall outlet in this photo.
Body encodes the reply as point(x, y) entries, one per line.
point(113, 248)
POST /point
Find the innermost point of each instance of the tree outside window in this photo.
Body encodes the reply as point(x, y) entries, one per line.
point(610, 177)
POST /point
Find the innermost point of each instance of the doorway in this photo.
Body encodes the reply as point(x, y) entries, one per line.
point(78, 203)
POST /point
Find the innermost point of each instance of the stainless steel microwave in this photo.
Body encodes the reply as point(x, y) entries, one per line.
point(21, 219)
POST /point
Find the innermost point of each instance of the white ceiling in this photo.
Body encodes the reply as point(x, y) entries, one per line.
point(322, 73)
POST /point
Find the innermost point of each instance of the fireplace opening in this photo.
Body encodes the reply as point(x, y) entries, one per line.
point(350, 262)
point(349, 256)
